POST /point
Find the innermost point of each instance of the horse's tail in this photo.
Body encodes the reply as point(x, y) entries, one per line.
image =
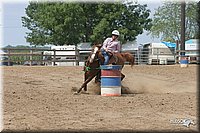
point(129, 58)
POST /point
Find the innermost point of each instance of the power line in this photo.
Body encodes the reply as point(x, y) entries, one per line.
point(11, 27)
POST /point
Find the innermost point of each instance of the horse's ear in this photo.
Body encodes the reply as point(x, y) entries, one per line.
point(98, 45)
point(93, 46)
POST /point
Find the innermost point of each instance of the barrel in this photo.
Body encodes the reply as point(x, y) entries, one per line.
point(184, 61)
point(111, 80)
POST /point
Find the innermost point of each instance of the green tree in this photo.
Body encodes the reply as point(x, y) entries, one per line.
point(91, 19)
point(53, 23)
point(167, 19)
point(198, 19)
point(130, 20)
point(62, 23)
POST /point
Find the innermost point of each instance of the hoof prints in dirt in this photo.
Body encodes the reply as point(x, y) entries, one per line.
point(97, 90)
point(74, 89)
point(126, 90)
point(33, 82)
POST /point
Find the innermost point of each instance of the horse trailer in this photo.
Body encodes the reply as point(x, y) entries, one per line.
point(157, 54)
point(193, 54)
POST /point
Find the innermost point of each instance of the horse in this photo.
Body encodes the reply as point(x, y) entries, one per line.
point(96, 59)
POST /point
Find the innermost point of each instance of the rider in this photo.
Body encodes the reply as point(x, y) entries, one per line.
point(111, 45)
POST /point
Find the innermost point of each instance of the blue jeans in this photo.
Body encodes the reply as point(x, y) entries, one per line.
point(106, 57)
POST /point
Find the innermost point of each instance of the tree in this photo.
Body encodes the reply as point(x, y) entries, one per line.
point(62, 23)
point(91, 19)
point(53, 23)
point(198, 20)
point(130, 20)
point(167, 19)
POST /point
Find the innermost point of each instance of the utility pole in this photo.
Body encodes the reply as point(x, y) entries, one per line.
point(182, 27)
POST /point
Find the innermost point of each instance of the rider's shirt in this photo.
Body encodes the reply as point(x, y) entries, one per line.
point(112, 46)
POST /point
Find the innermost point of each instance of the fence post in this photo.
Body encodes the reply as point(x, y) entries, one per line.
point(54, 57)
point(31, 57)
point(9, 57)
point(77, 56)
point(138, 57)
point(157, 55)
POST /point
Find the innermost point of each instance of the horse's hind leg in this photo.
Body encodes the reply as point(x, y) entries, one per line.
point(122, 76)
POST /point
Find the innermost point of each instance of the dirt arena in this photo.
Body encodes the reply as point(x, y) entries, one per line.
point(155, 98)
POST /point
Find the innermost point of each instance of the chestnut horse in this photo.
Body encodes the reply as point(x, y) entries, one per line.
point(95, 59)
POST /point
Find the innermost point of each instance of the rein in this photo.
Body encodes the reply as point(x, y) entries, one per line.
point(89, 68)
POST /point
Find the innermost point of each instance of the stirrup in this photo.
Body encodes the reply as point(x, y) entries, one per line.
point(114, 63)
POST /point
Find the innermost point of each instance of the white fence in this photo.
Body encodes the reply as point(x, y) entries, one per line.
point(154, 56)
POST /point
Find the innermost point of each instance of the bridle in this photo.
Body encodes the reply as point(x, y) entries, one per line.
point(93, 58)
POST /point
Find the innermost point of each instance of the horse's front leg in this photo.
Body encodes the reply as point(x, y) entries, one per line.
point(85, 78)
point(86, 82)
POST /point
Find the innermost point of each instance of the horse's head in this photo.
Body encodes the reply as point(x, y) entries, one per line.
point(95, 54)
point(95, 58)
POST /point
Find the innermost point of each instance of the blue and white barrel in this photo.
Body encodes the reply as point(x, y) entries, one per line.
point(111, 80)
point(184, 61)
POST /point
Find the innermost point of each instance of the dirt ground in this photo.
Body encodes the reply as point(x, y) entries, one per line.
point(154, 98)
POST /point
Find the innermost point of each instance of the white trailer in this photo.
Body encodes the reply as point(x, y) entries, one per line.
point(193, 55)
point(158, 53)
point(70, 53)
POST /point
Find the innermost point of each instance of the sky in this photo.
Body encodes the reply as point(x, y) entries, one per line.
point(13, 33)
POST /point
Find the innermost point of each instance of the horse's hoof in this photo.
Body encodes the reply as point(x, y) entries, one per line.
point(97, 81)
point(84, 92)
point(76, 93)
